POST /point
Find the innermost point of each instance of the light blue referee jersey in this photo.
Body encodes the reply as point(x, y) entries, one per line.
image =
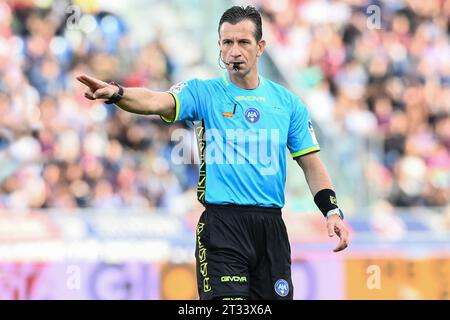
point(242, 137)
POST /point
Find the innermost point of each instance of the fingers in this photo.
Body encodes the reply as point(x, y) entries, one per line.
point(88, 80)
point(89, 95)
point(342, 232)
point(97, 89)
point(85, 80)
point(336, 226)
point(330, 227)
point(82, 80)
point(91, 82)
point(103, 93)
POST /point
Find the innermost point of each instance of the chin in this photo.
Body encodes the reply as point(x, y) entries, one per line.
point(243, 73)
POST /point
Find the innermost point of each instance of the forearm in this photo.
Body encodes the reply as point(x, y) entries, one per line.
point(317, 177)
point(140, 101)
point(320, 184)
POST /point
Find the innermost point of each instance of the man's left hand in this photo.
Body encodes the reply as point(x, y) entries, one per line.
point(335, 225)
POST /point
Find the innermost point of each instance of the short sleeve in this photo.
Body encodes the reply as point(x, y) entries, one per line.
point(301, 137)
point(188, 102)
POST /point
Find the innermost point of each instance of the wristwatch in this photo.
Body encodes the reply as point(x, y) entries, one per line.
point(336, 211)
point(117, 95)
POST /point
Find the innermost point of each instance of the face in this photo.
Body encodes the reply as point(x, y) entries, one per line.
point(238, 44)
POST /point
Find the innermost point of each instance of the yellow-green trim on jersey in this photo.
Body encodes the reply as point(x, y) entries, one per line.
point(306, 151)
point(177, 109)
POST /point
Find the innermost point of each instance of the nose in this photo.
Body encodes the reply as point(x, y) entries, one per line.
point(235, 51)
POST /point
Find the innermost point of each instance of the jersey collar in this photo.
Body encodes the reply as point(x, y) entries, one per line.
point(228, 83)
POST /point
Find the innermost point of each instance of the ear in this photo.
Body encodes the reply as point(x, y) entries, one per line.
point(261, 47)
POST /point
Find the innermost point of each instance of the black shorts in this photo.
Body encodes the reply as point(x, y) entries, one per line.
point(243, 253)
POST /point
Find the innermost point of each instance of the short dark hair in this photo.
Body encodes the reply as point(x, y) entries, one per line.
point(237, 14)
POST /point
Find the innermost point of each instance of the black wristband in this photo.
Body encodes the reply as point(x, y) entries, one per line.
point(325, 200)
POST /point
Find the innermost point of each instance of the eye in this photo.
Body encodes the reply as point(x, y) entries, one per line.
point(226, 41)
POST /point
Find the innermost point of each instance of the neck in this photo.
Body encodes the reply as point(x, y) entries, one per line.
point(247, 81)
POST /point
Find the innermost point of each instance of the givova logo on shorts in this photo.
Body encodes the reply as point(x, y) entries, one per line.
point(233, 279)
point(282, 288)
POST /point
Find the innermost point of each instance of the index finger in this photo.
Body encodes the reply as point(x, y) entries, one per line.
point(91, 82)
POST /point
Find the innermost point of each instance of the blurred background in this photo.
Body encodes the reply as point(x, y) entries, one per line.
point(92, 207)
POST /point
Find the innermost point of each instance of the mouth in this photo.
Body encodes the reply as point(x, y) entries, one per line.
point(235, 66)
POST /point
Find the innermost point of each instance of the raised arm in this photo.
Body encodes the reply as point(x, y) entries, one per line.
point(135, 100)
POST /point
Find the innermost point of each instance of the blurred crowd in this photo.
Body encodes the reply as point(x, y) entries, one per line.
point(62, 150)
point(58, 149)
point(377, 70)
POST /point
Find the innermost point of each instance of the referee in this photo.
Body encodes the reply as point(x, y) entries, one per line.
point(242, 247)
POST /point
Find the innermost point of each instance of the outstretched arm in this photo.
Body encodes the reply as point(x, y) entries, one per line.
point(319, 182)
point(135, 100)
